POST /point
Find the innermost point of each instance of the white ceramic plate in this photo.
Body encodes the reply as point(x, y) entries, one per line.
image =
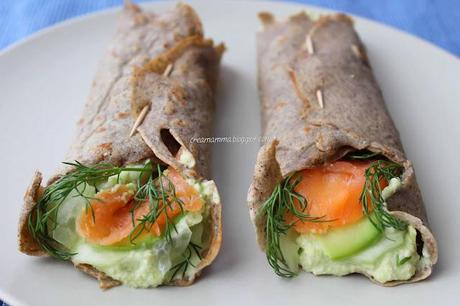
point(44, 82)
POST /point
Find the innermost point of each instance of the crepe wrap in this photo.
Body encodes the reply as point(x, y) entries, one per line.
point(180, 107)
point(296, 59)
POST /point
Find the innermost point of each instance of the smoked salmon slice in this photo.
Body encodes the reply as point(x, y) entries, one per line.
point(333, 192)
point(113, 223)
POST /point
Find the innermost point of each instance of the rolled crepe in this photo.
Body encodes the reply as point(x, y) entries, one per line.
point(163, 65)
point(320, 101)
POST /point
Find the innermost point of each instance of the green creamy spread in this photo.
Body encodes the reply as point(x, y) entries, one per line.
point(392, 257)
point(147, 263)
point(142, 267)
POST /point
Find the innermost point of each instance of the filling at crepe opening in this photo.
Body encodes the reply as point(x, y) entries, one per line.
point(144, 225)
point(332, 219)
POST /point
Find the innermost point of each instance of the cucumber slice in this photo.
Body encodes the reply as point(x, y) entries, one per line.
point(143, 242)
point(348, 240)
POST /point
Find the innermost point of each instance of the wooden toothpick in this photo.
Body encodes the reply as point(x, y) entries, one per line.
point(309, 44)
point(168, 70)
point(319, 96)
point(139, 120)
point(144, 111)
point(311, 50)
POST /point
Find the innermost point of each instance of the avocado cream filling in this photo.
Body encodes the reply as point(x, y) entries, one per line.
point(148, 262)
point(390, 256)
point(393, 257)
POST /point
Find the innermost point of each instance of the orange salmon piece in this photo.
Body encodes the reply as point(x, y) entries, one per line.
point(112, 217)
point(191, 198)
point(333, 192)
point(112, 210)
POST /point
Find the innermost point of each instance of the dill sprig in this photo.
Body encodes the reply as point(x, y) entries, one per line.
point(183, 265)
point(282, 201)
point(371, 196)
point(42, 218)
point(275, 208)
point(161, 199)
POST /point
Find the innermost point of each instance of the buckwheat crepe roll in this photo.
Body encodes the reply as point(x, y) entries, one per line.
point(332, 136)
point(134, 204)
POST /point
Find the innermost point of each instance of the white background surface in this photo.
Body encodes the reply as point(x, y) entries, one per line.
point(44, 82)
